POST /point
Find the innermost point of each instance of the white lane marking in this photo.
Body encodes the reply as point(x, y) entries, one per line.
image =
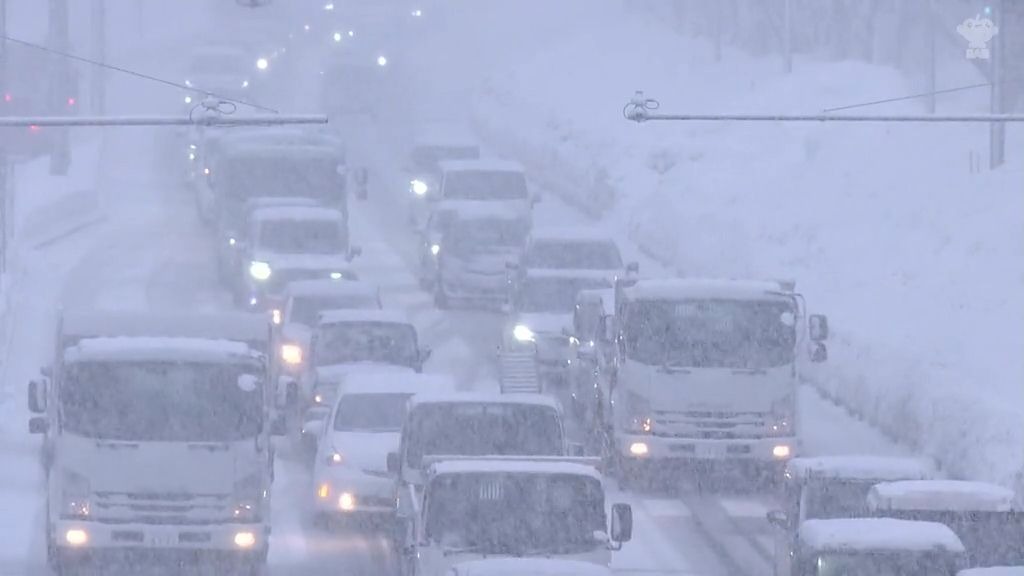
point(744, 508)
point(663, 507)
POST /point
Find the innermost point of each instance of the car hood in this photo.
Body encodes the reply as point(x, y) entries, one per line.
point(336, 373)
point(367, 451)
point(325, 262)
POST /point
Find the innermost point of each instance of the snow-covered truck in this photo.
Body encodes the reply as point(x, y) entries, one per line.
point(706, 371)
point(493, 507)
point(157, 441)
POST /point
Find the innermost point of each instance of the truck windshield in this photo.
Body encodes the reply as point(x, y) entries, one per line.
point(370, 412)
point(386, 342)
point(306, 309)
point(513, 513)
point(566, 255)
point(835, 499)
point(161, 401)
point(555, 294)
point(486, 235)
point(267, 175)
point(427, 157)
point(468, 429)
point(301, 237)
point(886, 564)
point(480, 185)
point(738, 334)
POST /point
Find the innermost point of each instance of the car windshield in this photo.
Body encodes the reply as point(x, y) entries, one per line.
point(301, 237)
point(515, 513)
point(737, 334)
point(484, 185)
point(385, 342)
point(835, 499)
point(886, 564)
point(427, 158)
point(570, 255)
point(306, 309)
point(472, 429)
point(162, 401)
point(485, 235)
point(555, 294)
point(370, 412)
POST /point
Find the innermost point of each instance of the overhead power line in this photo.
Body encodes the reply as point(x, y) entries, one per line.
point(134, 73)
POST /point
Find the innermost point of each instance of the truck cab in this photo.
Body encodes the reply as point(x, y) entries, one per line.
point(983, 515)
point(433, 144)
point(157, 441)
point(467, 248)
point(493, 507)
point(287, 242)
point(832, 487)
point(876, 546)
point(482, 180)
point(707, 372)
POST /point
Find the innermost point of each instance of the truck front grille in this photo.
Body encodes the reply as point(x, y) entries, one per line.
point(705, 425)
point(165, 508)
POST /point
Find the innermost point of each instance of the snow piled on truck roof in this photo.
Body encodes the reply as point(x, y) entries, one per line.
point(299, 213)
point(363, 315)
point(940, 495)
point(867, 468)
point(486, 398)
point(878, 534)
point(550, 465)
point(158, 349)
point(483, 165)
point(532, 566)
point(687, 288)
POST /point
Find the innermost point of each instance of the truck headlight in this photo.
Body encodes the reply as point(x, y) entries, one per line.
point(419, 187)
point(523, 333)
point(259, 270)
point(291, 354)
point(435, 249)
point(347, 501)
point(334, 459)
point(262, 63)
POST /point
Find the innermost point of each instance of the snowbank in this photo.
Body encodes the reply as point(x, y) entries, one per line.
point(915, 257)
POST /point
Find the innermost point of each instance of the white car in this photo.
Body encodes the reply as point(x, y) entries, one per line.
point(365, 425)
point(575, 249)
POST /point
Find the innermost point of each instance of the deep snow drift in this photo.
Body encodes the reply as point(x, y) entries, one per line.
point(915, 257)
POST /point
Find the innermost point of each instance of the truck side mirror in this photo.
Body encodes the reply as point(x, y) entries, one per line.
point(38, 425)
point(817, 327)
point(633, 268)
point(777, 518)
point(425, 353)
point(393, 463)
point(354, 252)
point(622, 523)
point(37, 396)
point(819, 352)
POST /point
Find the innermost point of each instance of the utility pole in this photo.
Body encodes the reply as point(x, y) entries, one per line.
point(60, 152)
point(788, 36)
point(4, 229)
point(99, 39)
point(997, 130)
point(932, 66)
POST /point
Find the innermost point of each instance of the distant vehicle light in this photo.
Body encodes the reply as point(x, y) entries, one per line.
point(336, 275)
point(417, 13)
point(275, 317)
point(351, 33)
point(781, 451)
point(306, 27)
point(435, 249)
point(638, 449)
point(259, 270)
point(382, 61)
point(71, 101)
point(318, 399)
point(206, 171)
point(262, 63)
point(291, 353)
point(347, 501)
point(337, 36)
point(335, 458)
point(419, 187)
point(245, 83)
point(523, 333)
point(188, 83)
point(188, 99)
point(192, 156)
point(76, 537)
point(323, 491)
point(245, 539)
point(329, 6)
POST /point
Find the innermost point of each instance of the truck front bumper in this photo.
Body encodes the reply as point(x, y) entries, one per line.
point(647, 447)
point(91, 539)
point(356, 494)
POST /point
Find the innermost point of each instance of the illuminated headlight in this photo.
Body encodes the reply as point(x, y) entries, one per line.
point(329, 6)
point(259, 270)
point(192, 156)
point(262, 63)
point(781, 451)
point(419, 187)
point(245, 539)
point(523, 333)
point(76, 537)
point(337, 36)
point(435, 249)
point(417, 13)
point(188, 83)
point(291, 354)
point(336, 275)
point(639, 449)
point(318, 399)
point(382, 61)
point(245, 83)
point(335, 458)
point(188, 99)
point(347, 501)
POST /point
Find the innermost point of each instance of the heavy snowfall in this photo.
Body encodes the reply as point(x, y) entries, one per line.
point(511, 287)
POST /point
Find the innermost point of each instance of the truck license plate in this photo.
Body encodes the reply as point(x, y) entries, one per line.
point(710, 450)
